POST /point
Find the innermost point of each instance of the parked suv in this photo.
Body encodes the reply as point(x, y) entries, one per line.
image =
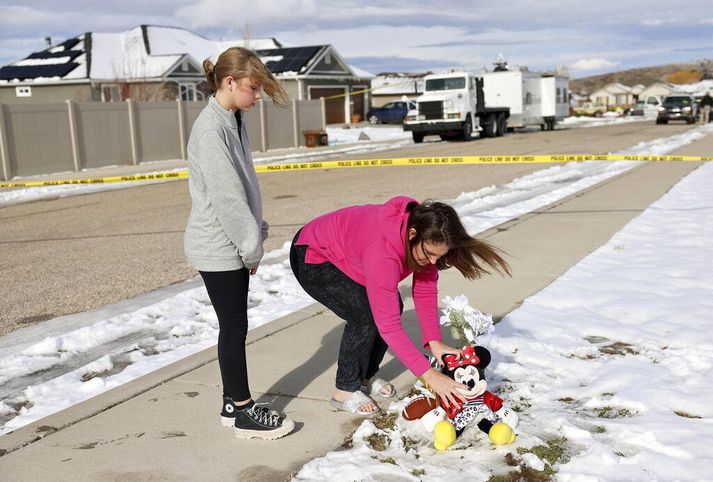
point(391, 113)
point(677, 107)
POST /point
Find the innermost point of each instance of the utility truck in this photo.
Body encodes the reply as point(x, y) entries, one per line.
point(454, 106)
point(534, 99)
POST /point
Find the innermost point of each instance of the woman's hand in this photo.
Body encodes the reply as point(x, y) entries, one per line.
point(254, 270)
point(445, 387)
point(438, 348)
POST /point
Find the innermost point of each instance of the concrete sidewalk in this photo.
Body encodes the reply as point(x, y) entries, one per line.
point(165, 425)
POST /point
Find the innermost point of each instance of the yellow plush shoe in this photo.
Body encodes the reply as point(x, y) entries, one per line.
point(444, 435)
point(501, 434)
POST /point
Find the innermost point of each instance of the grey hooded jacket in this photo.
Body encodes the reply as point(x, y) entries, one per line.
point(225, 230)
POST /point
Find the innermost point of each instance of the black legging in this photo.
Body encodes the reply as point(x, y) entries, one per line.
point(362, 349)
point(228, 292)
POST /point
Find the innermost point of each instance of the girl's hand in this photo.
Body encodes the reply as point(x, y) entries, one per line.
point(438, 348)
point(445, 387)
point(254, 270)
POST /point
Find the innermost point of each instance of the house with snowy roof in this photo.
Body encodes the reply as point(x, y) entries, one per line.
point(614, 95)
point(152, 63)
point(659, 90)
point(390, 86)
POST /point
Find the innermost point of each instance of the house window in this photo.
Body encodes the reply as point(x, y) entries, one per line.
point(187, 91)
point(110, 93)
point(24, 91)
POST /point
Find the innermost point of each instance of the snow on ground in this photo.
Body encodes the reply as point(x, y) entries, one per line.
point(607, 119)
point(60, 371)
point(610, 368)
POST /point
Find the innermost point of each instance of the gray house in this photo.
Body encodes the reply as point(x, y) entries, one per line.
point(150, 63)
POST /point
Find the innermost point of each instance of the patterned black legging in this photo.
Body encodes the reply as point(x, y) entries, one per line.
point(362, 349)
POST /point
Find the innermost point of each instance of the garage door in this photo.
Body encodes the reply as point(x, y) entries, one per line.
point(334, 107)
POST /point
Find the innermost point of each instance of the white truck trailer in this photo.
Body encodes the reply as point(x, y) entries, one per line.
point(534, 99)
point(555, 99)
point(454, 106)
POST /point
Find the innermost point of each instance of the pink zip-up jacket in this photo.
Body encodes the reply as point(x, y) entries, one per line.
point(367, 243)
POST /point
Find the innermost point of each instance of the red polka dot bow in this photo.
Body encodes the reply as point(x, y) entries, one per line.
point(468, 357)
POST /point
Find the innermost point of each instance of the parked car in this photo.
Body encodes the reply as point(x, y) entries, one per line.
point(677, 107)
point(591, 109)
point(646, 107)
point(390, 113)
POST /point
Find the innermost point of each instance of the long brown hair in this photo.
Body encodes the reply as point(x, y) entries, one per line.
point(240, 63)
point(438, 223)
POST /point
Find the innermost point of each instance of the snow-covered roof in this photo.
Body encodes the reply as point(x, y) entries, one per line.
point(361, 72)
point(125, 56)
point(144, 52)
point(617, 88)
point(397, 83)
point(699, 88)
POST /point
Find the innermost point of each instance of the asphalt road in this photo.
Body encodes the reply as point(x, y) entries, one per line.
point(74, 254)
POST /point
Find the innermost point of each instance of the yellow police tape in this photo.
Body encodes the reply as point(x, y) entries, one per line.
point(405, 161)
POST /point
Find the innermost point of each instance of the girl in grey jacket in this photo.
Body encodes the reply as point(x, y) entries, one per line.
point(225, 230)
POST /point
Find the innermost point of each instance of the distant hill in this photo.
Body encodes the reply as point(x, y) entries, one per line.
point(685, 72)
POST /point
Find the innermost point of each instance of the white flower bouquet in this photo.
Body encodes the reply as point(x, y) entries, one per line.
point(466, 323)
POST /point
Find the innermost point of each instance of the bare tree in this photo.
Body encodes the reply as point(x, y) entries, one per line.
point(132, 82)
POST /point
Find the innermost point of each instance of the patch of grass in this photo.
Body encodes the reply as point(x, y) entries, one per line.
point(388, 460)
point(521, 405)
point(619, 348)
point(418, 472)
point(685, 414)
point(612, 412)
point(566, 400)
point(410, 443)
point(378, 441)
point(385, 420)
point(413, 392)
point(347, 443)
point(525, 474)
point(511, 460)
point(504, 389)
point(598, 429)
point(607, 394)
point(551, 453)
point(596, 339)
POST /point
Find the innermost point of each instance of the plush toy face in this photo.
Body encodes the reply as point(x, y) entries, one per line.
point(469, 370)
point(471, 377)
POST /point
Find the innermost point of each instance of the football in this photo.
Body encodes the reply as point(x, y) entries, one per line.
point(418, 407)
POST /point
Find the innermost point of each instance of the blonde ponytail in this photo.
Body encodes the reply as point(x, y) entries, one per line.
point(209, 69)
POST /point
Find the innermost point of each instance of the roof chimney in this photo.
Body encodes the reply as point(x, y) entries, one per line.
point(48, 41)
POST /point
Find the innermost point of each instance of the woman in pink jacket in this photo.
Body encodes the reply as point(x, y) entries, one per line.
point(352, 261)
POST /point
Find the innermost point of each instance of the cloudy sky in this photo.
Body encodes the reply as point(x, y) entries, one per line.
point(408, 36)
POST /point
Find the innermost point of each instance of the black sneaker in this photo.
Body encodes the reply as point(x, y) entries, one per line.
point(230, 410)
point(260, 422)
